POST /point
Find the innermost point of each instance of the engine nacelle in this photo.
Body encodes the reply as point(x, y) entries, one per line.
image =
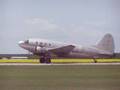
point(39, 49)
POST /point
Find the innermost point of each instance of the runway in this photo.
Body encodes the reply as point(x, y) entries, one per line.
point(53, 64)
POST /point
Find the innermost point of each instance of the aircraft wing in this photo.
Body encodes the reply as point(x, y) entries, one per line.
point(64, 49)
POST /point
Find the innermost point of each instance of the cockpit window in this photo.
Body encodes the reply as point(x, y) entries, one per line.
point(27, 41)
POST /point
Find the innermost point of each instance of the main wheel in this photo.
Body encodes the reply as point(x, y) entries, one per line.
point(48, 60)
point(42, 59)
point(45, 58)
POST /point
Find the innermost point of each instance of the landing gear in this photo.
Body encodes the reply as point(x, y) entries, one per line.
point(45, 58)
point(42, 59)
point(95, 61)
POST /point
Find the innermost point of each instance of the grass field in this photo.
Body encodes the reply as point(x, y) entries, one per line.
point(60, 60)
point(82, 77)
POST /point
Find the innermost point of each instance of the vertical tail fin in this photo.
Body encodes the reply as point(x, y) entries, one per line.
point(107, 44)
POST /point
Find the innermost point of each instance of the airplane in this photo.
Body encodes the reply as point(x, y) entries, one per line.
point(45, 48)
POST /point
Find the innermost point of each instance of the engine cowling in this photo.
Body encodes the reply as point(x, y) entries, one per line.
point(39, 49)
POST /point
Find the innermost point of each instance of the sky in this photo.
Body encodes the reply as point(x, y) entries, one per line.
point(82, 22)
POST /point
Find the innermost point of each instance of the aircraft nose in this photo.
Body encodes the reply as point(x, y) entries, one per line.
point(24, 45)
point(20, 42)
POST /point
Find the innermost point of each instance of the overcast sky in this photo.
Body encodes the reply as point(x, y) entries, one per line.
point(82, 22)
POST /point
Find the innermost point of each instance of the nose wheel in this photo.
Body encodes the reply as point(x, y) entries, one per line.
point(45, 58)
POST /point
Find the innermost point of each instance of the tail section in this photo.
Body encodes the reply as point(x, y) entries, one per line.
point(107, 44)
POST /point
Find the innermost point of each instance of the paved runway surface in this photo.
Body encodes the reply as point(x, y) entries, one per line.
point(58, 76)
point(38, 64)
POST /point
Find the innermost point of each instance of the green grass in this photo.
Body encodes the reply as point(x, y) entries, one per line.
point(82, 77)
point(59, 60)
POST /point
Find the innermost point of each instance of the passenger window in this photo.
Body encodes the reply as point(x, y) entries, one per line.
point(41, 44)
point(45, 44)
point(49, 44)
point(36, 43)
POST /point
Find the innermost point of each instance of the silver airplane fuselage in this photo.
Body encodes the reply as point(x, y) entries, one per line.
point(103, 49)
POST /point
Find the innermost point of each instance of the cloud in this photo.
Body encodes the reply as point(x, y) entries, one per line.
point(80, 33)
point(40, 24)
